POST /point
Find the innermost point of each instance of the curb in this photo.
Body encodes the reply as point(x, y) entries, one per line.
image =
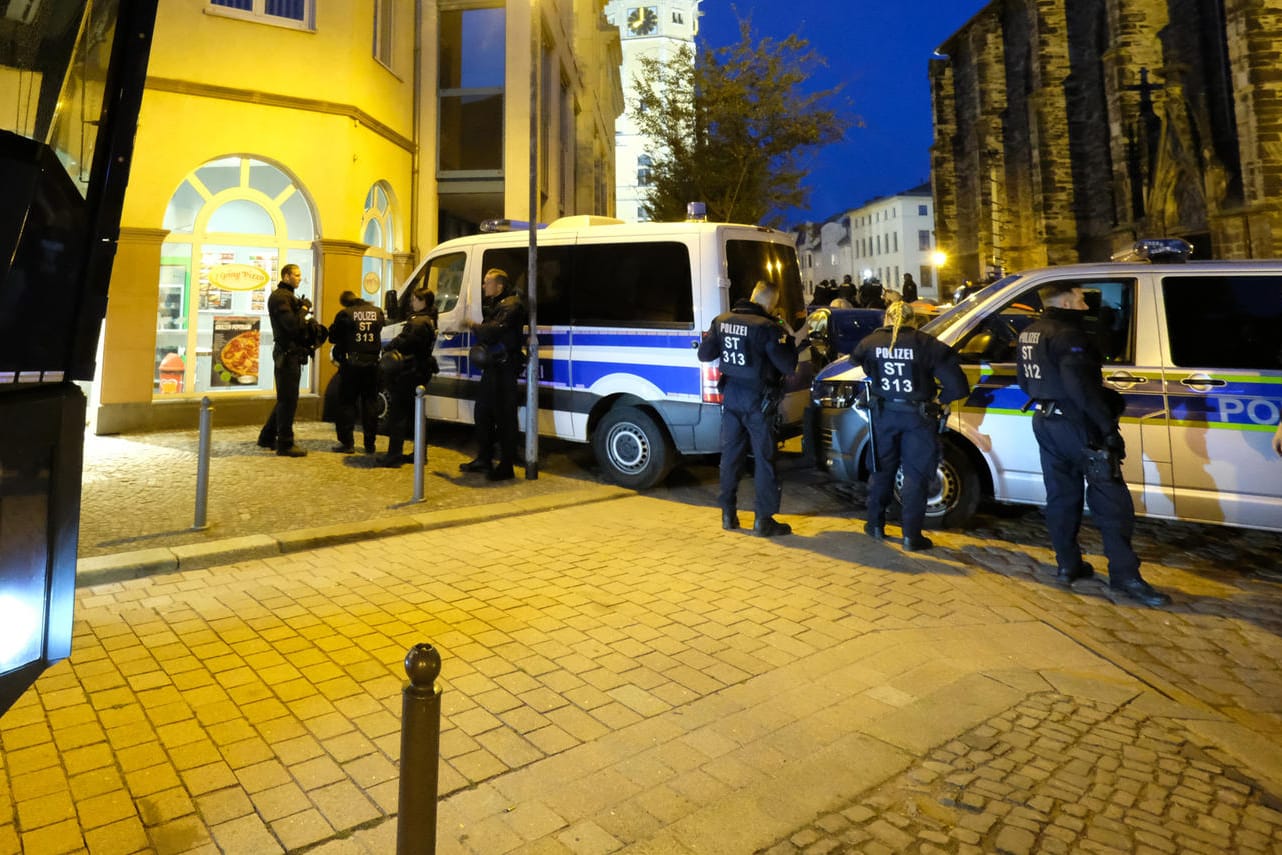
point(122, 566)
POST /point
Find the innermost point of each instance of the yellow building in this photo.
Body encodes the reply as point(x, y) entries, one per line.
point(345, 137)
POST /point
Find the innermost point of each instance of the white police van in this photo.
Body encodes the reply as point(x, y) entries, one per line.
point(1195, 348)
point(620, 311)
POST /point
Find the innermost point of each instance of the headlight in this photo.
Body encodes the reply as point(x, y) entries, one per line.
point(835, 394)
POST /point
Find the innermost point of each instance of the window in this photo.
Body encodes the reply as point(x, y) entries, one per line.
point(1110, 318)
point(233, 224)
point(383, 29)
point(677, 18)
point(748, 261)
point(299, 13)
point(643, 177)
point(444, 276)
point(921, 210)
point(923, 240)
point(1224, 321)
point(895, 237)
point(378, 232)
point(471, 66)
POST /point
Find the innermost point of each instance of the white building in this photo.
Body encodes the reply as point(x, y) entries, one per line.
point(882, 240)
point(655, 29)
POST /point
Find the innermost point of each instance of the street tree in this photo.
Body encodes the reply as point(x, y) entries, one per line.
point(734, 127)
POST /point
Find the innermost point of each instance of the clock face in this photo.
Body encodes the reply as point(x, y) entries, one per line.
point(643, 20)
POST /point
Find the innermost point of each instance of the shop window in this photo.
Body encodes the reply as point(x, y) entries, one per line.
point(233, 223)
point(379, 234)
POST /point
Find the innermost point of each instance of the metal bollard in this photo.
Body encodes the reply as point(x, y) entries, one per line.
point(202, 465)
point(420, 753)
point(420, 440)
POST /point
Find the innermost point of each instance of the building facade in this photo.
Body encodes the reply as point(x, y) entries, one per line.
point(1066, 129)
point(345, 137)
point(655, 29)
point(882, 239)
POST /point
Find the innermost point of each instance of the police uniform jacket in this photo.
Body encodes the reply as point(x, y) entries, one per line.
point(415, 342)
point(754, 350)
point(1059, 367)
point(908, 370)
point(356, 334)
point(503, 317)
point(287, 316)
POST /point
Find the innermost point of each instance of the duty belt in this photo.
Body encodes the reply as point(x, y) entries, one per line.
point(1049, 408)
point(901, 405)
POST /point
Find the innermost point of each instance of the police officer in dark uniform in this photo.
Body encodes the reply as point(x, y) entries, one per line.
point(356, 335)
point(291, 348)
point(412, 355)
point(755, 352)
point(1076, 425)
point(903, 366)
point(499, 339)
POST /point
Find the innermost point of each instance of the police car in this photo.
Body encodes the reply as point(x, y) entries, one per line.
point(621, 308)
point(1195, 348)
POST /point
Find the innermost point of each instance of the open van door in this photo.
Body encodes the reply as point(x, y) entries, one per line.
point(445, 275)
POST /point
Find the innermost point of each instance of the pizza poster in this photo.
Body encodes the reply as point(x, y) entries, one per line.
point(235, 351)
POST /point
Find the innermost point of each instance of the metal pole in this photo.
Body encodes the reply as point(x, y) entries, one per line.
point(420, 752)
point(202, 465)
point(532, 366)
point(420, 440)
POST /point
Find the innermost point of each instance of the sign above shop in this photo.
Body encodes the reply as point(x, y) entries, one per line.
point(238, 277)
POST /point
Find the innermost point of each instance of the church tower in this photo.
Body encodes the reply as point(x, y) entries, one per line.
point(654, 28)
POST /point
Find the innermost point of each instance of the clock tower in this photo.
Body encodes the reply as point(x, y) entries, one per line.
point(649, 28)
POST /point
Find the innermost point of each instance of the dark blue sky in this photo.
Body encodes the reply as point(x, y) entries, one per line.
point(879, 51)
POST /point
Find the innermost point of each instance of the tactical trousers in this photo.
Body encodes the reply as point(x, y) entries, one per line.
point(1063, 446)
point(279, 427)
point(741, 430)
point(495, 415)
point(904, 438)
point(358, 398)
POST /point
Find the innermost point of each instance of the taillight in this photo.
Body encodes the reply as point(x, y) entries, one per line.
point(710, 374)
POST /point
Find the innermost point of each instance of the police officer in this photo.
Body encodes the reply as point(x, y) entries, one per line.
point(291, 348)
point(755, 352)
point(499, 338)
point(356, 335)
point(1076, 426)
point(415, 368)
point(904, 366)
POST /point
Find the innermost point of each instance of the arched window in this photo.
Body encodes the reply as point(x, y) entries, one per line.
point(379, 234)
point(233, 223)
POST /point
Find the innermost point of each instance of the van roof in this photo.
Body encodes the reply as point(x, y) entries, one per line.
point(591, 223)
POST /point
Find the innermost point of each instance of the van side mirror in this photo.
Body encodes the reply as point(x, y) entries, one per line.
point(391, 306)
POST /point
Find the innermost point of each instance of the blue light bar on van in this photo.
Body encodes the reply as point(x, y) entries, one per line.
point(1157, 250)
point(506, 225)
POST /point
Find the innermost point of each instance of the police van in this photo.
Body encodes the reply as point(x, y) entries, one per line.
point(1195, 348)
point(621, 308)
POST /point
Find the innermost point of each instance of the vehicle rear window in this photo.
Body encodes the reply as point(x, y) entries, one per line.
point(1224, 321)
point(749, 261)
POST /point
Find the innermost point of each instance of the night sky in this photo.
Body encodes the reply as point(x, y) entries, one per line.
point(879, 51)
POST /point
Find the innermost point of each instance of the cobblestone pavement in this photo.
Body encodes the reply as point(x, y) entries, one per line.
point(622, 675)
point(1055, 775)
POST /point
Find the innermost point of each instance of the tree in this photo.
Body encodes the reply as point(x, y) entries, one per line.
point(733, 127)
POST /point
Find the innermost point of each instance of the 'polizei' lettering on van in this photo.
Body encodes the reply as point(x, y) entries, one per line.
point(892, 352)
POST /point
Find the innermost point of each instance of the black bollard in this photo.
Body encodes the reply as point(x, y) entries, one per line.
point(420, 753)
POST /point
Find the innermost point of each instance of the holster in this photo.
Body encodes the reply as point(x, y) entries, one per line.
point(1102, 466)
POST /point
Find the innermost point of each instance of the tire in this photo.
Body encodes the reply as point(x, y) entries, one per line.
point(633, 449)
point(953, 495)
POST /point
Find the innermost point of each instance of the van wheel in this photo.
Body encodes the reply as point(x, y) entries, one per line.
point(632, 448)
point(953, 495)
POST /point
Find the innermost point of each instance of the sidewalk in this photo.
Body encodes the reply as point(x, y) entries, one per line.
point(622, 675)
